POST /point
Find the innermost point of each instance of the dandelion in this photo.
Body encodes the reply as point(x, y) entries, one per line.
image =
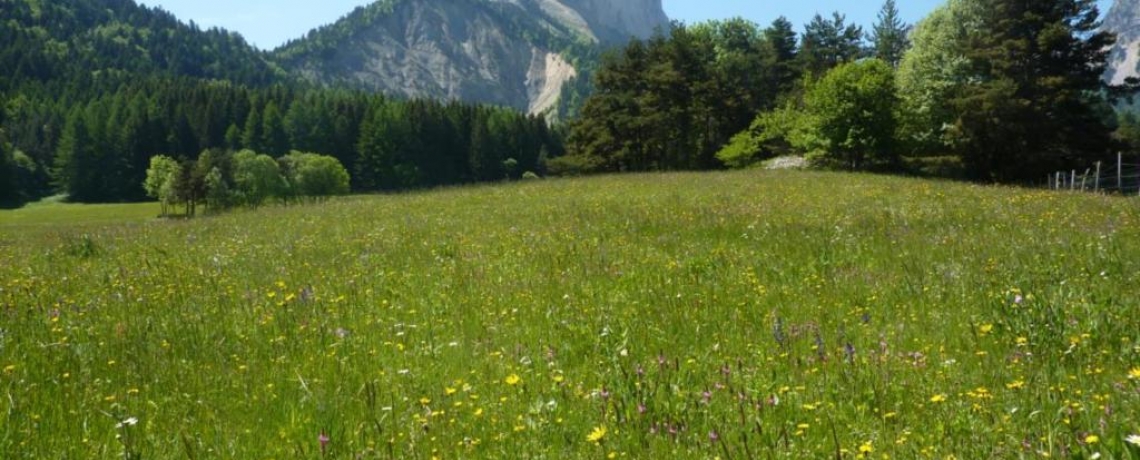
point(866, 448)
point(938, 398)
point(1134, 374)
point(597, 435)
point(512, 380)
point(1092, 439)
point(1015, 385)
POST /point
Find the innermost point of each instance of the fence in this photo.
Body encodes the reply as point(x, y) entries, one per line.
point(1121, 177)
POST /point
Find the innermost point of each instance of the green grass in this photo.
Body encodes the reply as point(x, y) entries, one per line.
point(734, 315)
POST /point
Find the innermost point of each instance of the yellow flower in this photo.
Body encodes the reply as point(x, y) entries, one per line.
point(866, 448)
point(512, 380)
point(597, 435)
point(9, 368)
point(938, 398)
point(1015, 385)
point(425, 401)
point(1092, 439)
point(986, 328)
point(449, 391)
point(1134, 374)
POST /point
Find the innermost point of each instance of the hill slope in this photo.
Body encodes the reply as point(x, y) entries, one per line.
point(515, 53)
point(76, 40)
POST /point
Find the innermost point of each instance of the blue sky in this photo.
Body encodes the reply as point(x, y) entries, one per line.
point(269, 23)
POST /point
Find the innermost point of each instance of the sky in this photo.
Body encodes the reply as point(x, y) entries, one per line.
point(270, 23)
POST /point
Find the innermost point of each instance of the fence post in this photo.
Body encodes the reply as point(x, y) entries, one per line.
point(1085, 179)
point(1096, 181)
point(1057, 182)
point(1120, 172)
point(1073, 180)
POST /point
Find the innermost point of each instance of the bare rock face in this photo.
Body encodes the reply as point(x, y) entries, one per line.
point(503, 52)
point(1123, 19)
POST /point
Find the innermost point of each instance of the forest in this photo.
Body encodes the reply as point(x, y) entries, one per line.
point(991, 91)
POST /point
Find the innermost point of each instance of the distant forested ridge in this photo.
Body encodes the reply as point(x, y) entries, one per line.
point(92, 89)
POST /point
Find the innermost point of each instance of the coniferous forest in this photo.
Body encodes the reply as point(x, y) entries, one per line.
point(993, 91)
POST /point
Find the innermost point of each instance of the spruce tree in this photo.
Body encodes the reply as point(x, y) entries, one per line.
point(889, 36)
point(1035, 103)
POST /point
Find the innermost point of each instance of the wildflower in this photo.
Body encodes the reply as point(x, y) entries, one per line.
point(130, 421)
point(597, 434)
point(512, 380)
point(450, 391)
point(1015, 385)
point(986, 328)
point(1134, 374)
point(866, 448)
point(1092, 439)
point(714, 436)
point(9, 368)
point(323, 439)
point(1133, 439)
point(938, 398)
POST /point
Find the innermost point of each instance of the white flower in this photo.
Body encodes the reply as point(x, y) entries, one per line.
point(1133, 439)
point(130, 421)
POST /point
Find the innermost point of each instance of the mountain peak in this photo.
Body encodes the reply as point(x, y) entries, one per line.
point(504, 52)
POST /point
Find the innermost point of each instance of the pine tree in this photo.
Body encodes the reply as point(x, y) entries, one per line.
point(1035, 105)
point(828, 43)
point(889, 36)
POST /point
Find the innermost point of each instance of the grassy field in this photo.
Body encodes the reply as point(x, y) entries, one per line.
point(750, 315)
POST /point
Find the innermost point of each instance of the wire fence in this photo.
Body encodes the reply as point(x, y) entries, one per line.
point(1121, 177)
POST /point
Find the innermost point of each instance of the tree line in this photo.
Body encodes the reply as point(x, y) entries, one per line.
point(97, 146)
point(222, 180)
point(991, 90)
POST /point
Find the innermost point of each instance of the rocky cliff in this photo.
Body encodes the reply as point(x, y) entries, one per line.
point(515, 53)
point(1124, 19)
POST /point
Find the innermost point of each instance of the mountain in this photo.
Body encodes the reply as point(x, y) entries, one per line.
point(1124, 20)
point(78, 40)
point(516, 53)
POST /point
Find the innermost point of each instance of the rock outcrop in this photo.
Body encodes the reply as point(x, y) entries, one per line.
point(505, 52)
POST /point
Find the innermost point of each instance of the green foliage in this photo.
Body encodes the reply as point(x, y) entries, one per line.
point(312, 176)
point(828, 43)
point(852, 116)
point(80, 40)
point(257, 178)
point(1034, 103)
point(889, 36)
point(774, 133)
point(675, 100)
point(932, 72)
point(160, 180)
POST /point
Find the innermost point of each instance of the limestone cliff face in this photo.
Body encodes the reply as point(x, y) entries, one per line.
point(1123, 19)
point(504, 52)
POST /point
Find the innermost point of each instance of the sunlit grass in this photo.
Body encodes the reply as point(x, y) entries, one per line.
point(732, 315)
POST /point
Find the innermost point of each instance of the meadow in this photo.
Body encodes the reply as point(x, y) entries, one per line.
point(741, 315)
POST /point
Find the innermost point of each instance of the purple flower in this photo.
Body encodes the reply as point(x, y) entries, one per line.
point(714, 436)
point(641, 408)
point(324, 440)
point(1018, 299)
